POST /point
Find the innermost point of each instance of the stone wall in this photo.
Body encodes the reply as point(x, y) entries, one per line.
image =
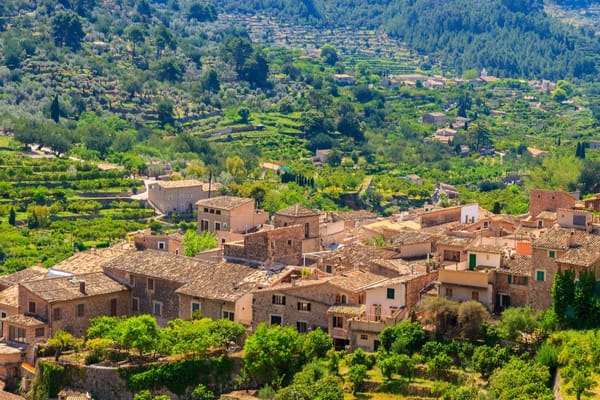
point(441, 216)
point(549, 200)
point(414, 287)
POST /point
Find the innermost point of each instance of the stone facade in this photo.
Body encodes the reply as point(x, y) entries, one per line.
point(177, 196)
point(145, 240)
point(540, 292)
point(441, 216)
point(282, 245)
point(549, 200)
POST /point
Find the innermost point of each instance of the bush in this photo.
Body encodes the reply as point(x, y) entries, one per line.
point(359, 357)
point(92, 359)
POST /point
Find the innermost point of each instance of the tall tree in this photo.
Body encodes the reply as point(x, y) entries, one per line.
point(67, 30)
point(55, 109)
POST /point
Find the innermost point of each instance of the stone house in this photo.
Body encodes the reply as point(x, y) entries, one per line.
point(434, 118)
point(68, 303)
point(268, 247)
point(229, 217)
point(512, 282)
point(305, 217)
point(452, 249)
point(483, 255)
point(445, 135)
point(178, 196)
point(549, 200)
point(464, 285)
point(593, 203)
point(145, 240)
point(410, 244)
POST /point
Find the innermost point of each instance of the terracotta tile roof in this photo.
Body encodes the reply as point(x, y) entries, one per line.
point(55, 290)
point(10, 396)
point(23, 320)
point(519, 264)
point(224, 202)
point(484, 248)
point(357, 255)
point(403, 267)
point(224, 281)
point(454, 241)
point(546, 215)
point(347, 309)
point(178, 184)
point(93, 260)
point(157, 264)
point(354, 215)
point(409, 237)
point(10, 296)
point(585, 255)
point(297, 210)
point(355, 279)
point(27, 274)
point(563, 239)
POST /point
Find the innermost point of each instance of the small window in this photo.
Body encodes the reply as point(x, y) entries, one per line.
point(195, 307)
point(303, 306)
point(328, 269)
point(161, 245)
point(391, 293)
point(230, 315)
point(302, 326)
point(39, 332)
point(364, 337)
point(276, 320)
point(475, 295)
point(150, 284)
point(32, 307)
point(341, 299)
point(338, 322)
point(205, 209)
point(217, 226)
point(448, 292)
point(540, 275)
point(289, 242)
point(218, 212)
point(56, 314)
point(486, 224)
point(80, 310)
point(551, 254)
point(132, 280)
point(278, 299)
point(157, 308)
point(135, 304)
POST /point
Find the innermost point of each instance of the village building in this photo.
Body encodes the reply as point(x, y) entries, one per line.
point(308, 219)
point(229, 217)
point(179, 196)
point(171, 243)
point(434, 118)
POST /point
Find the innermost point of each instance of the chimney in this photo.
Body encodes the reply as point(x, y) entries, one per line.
point(82, 287)
point(93, 250)
point(571, 239)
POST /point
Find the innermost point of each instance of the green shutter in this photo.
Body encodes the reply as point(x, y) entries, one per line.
point(509, 278)
point(540, 275)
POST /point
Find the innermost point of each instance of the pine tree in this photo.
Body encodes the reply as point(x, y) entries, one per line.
point(12, 217)
point(55, 109)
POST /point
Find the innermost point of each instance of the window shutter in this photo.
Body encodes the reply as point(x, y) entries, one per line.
point(273, 299)
point(283, 300)
point(510, 279)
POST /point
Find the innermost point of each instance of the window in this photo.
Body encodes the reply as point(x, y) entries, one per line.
point(80, 310)
point(195, 307)
point(540, 275)
point(289, 242)
point(132, 280)
point(486, 224)
point(204, 225)
point(362, 298)
point(302, 326)
point(16, 334)
point(448, 292)
point(135, 304)
point(306, 230)
point(218, 212)
point(150, 284)
point(230, 315)
point(341, 299)
point(3, 314)
point(157, 308)
point(113, 307)
point(32, 307)
point(303, 306)
point(211, 211)
point(391, 293)
point(517, 280)
point(205, 209)
point(328, 269)
point(364, 337)
point(224, 225)
point(161, 245)
point(338, 322)
point(579, 220)
point(551, 254)
point(39, 332)
point(217, 226)
point(56, 314)
point(475, 295)
point(276, 320)
point(278, 299)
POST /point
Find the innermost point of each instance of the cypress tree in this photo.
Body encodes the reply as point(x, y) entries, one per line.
point(12, 217)
point(55, 109)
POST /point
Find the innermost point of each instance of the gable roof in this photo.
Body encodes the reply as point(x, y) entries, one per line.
point(519, 264)
point(224, 202)
point(93, 260)
point(297, 210)
point(25, 275)
point(157, 264)
point(224, 281)
point(67, 288)
point(178, 184)
point(10, 296)
point(408, 237)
